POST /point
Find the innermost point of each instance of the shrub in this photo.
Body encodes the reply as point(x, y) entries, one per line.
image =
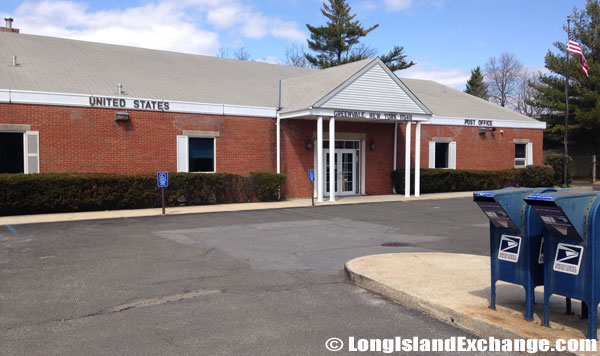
point(536, 176)
point(556, 161)
point(54, 193)
point(456, 180)
point(268, 186)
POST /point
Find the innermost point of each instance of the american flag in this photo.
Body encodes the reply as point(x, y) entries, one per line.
point(574, 47)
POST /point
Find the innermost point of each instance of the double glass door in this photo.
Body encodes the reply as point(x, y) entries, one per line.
point(345, 170)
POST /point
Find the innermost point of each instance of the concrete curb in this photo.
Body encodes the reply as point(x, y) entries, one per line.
point(218, 208)
point(454, 288)
point(478, 327)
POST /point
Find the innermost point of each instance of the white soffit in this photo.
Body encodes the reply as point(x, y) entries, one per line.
point(373, 90)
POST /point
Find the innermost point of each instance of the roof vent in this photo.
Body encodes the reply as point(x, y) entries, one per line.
point(14, 61)
point(120, 90)
point(9, 21)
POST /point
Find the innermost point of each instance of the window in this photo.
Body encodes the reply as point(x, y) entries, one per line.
point(12, 152)
point(19, 152)
point(442, 154)
point(523, 154)
point(196, 154)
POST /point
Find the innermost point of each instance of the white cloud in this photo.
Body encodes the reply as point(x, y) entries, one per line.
point(398, 5)
point(224, 17)
point(176, 25)
point(401, 5)
point(452, 77)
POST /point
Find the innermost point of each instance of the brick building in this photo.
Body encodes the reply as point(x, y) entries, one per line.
point(74, 106)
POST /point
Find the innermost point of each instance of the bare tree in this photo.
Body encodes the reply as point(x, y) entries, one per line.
point(362, 51)
point(503, 76)
point(294, 56)
point(525, 95)
point(241, 54)
point(222, 53)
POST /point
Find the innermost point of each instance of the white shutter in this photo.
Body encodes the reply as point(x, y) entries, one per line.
point(182, 154)
point(431, 154)
point(32, 152)
point(452, 157)
point(530, 154)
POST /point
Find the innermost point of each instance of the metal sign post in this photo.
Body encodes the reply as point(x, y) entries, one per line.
point(311, 179)
point(163, 182)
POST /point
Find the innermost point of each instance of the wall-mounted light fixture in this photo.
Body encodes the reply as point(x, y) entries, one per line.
point(482, 130)
point(372, 145)
point(122, 116)
point(308, 144)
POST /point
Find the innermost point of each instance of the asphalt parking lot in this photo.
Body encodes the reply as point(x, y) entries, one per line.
point(240, 283)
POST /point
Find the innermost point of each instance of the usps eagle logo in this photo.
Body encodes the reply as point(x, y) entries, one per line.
point(568, 258)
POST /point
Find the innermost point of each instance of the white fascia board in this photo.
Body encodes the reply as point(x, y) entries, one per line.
point(194, 108)
point(47, 98)
point(256, 111)
point(4, 96)
point(295, 113)
point(326, 112)
point(510, 124)
point(82, 100)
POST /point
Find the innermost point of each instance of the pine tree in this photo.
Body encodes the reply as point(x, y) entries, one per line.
point(336, 43)
point(584, 92)
point(476, 86)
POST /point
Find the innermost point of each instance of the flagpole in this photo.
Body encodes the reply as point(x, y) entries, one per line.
point(566, 157)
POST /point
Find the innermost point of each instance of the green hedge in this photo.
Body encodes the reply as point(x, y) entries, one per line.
point(457, 180)
point(55, 193)
point(557, 162)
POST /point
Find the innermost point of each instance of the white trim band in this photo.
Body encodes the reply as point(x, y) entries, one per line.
point(510, 124)
point(82, 100)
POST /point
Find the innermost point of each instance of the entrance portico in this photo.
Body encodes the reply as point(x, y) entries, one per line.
point(363, 104)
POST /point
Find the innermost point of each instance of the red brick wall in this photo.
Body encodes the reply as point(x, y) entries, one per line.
point(492, 151)
point(74, 139)
point(296, 160)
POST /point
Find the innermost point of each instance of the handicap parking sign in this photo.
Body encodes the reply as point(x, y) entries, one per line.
point(163, 179)
point(311, 175)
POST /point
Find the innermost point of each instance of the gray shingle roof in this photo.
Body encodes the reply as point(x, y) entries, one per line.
point(304, 91)
point(444, 101)
point(68, 66)
point(59, 65)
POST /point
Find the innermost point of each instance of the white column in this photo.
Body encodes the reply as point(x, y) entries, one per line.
point(407, 162)
point(395, 144)
point(320, 159)
point(278, 144)
point(363, 170)
point(418, 160)
point(332, 176)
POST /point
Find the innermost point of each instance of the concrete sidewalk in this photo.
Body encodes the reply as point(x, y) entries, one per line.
point(455, 288)
point(293, 203)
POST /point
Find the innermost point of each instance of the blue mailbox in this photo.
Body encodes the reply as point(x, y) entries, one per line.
point(515, 241)
point(572, 268)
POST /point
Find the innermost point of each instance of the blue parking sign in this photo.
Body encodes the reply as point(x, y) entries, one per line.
point(311, 175)
point(163, 179)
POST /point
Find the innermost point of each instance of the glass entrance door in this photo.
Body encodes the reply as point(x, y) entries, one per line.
point(344, 171)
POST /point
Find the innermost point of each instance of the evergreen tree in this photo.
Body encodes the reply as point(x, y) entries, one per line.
point(336, 43)
point(584, 92)
point(476, 86)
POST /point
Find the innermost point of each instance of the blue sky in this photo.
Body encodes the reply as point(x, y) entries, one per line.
point(447, 38)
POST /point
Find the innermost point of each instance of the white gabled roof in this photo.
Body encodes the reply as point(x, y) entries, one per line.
point(366, 85)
